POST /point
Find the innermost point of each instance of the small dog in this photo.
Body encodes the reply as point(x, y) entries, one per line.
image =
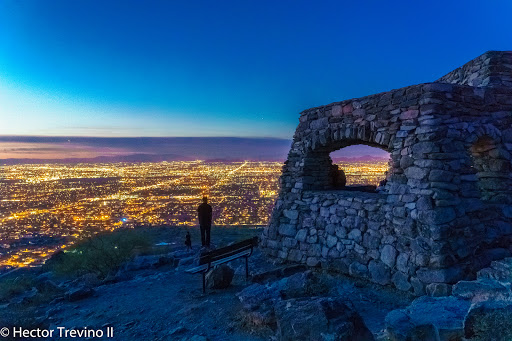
point(188, 241)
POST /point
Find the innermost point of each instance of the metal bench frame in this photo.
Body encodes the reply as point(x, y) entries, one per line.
point(223, 255)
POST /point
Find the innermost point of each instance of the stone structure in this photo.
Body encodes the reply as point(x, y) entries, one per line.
point(447, 200)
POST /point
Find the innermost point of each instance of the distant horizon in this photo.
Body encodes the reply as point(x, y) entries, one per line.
point(139, 158)
point(54, 149)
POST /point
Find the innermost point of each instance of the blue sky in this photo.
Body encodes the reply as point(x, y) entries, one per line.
point(221, 68)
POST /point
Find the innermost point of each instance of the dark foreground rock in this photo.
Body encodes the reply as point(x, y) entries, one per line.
point(263, 297)
point(294, 309)
point(489, 321)
point(429, 318)
point(319, 319)
point(481, 290)
point(220, 277)
point(150, 261)
point(258, 305)
point(79, 294)
point(48, 287)
point(278, 273)
point(476, 310)
point(301, 284)
point(500, 270)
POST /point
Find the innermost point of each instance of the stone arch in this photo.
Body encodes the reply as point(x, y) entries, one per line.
point(431, 220)
point(315, 167)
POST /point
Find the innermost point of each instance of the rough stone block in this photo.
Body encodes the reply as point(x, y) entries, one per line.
point(379, 272)
point(450, 275)
point(357, 269)
point(438, 289)
point(481, 290)
point(331, 241)
point(416, 173)
point(388, 255)
point(287, 230)
point(401, 281)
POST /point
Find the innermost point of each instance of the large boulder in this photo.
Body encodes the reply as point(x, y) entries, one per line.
point(78, 294)
point(429, 318)
point(259, 300)
point(302, 284)
point(141, 262)
point(186, 262)
point(277, 273)
point(481, 290)
point(255, 295)
point(48, 287)
point(319, 319)
point(149, 262)
point(258, 304)
point(89, 280)
point(220, 277)
point(490, 320)
point(438, 289)
point(500, 270)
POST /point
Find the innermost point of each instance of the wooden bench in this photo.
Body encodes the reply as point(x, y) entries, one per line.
point(223, 255)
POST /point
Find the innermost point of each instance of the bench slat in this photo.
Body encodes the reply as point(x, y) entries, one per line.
point(235, 256)
point(197, 269)
point(229, 254)
point(203, 267)
point(227, 250)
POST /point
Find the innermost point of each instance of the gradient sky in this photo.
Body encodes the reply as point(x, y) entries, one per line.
point(222, 68)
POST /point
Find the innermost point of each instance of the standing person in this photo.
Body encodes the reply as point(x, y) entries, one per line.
point(205, 221)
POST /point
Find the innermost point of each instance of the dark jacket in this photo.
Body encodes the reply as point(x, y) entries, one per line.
point(205, 214)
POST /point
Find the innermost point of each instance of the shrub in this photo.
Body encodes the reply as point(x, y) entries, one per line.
point(102, 253)
point(14, 286)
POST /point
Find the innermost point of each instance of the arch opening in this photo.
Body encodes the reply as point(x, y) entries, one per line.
point(361, 166)
point(356, 167)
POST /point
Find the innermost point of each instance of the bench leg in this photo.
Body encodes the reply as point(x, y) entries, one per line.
point(204, 282)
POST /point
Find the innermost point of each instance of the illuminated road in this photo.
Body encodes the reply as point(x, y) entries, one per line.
point(228, 175)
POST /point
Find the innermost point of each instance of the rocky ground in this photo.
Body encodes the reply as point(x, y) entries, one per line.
point(152, 298)
point(469, 310)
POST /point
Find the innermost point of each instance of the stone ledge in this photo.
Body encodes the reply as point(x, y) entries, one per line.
point(347, 194)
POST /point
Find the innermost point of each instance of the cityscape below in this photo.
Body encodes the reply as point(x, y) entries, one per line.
point(47, 207)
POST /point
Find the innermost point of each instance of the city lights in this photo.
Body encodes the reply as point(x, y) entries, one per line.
point(44, 208)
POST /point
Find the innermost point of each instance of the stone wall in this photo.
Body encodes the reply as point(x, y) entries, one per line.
point(447, 197)
point(493, 68)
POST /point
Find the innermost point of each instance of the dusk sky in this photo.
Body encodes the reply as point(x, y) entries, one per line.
point(222, 68)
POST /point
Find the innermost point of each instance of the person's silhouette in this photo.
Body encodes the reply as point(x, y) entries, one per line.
point(205, 221)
